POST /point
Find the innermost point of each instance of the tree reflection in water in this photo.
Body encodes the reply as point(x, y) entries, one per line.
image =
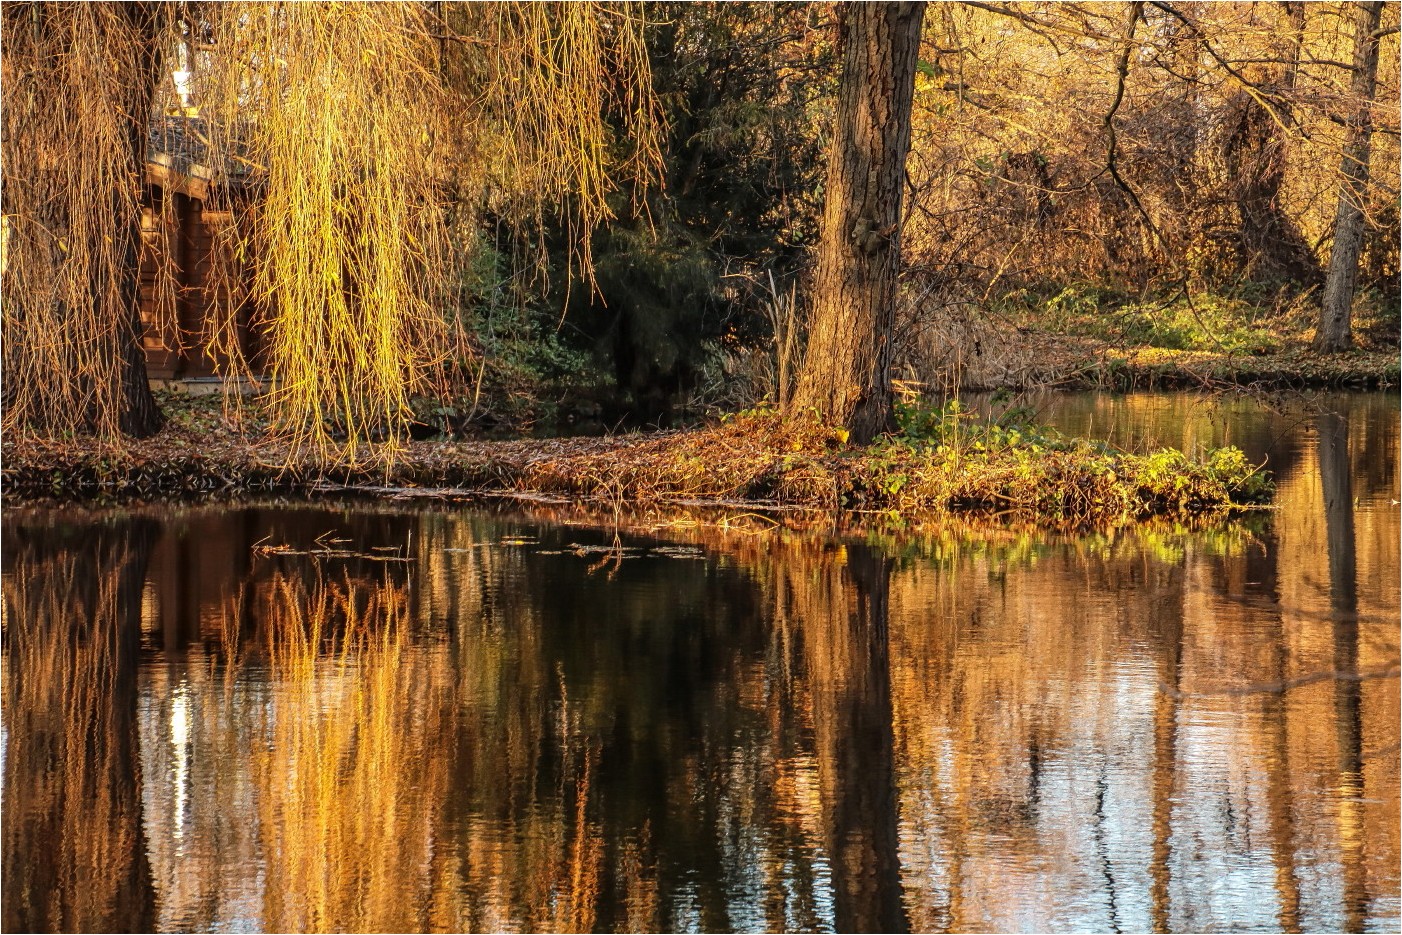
point(458, 725)
point(74, 858)
point(1337, 481)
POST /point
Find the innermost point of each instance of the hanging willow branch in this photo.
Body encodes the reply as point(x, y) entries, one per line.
point(336, 104)
point(362, 121)
point(79, 83)
point(546, 92)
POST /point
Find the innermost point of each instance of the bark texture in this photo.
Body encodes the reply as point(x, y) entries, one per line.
point(846, 374)
point(1335, 331)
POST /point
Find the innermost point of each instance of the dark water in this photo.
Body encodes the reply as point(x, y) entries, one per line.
point(450, 718)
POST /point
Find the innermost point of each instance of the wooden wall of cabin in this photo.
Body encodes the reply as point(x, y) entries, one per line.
point(180, 242)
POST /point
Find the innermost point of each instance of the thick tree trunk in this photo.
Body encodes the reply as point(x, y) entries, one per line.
point(1335, 331)
point(140, 416)
point(845, 375)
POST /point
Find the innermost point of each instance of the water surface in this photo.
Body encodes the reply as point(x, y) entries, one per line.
point(406, 717)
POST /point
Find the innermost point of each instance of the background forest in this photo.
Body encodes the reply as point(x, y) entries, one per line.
point(590, 213)
point(1184, 199)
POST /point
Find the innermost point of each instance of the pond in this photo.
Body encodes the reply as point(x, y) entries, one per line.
point(408, 716)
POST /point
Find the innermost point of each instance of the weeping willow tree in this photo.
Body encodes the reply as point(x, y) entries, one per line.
point(333, 108)
point(361, 121)
point(79, 83)
point(354, 123)
point(537, 84)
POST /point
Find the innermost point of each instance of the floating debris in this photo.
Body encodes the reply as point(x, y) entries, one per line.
point(679, 551)
point(325, 547)
point(621, 550)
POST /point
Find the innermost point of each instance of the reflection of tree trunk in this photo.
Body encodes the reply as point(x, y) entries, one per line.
point(74, 849)
point(1166, 753)
point(1335, 474)
point(136, 899)
point(1280, 810)
point(846, 646)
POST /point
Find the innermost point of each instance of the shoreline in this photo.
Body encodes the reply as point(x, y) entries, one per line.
point(1066, 362)
point(754, 460)
point(200, 456)
point(1291, 369)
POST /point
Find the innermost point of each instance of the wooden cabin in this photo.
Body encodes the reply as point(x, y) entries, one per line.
point(186, 203)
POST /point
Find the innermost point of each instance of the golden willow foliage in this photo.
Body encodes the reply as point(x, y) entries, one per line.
point(333, 105)
point(362, 117)
point(352, 126)
point(537, 82)
point(73, 78)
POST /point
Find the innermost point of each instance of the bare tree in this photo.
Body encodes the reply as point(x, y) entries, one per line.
point(1335, 331)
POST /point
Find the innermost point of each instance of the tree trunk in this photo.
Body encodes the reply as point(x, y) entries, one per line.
point(1335, 331)
point(845, 375)
point(140, 416)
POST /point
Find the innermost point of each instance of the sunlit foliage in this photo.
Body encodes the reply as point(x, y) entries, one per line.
point(352, 125)
point(365, 119)
point(334, 106)
point(1209, 158)
point(78, 80)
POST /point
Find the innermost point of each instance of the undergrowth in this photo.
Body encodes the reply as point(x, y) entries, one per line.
point(1246, 321)
point(940, 460)
point(946, 460)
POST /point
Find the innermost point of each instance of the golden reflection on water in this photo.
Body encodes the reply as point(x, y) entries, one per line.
point(367, 761)
point(70, 751)
point(1159, 729)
